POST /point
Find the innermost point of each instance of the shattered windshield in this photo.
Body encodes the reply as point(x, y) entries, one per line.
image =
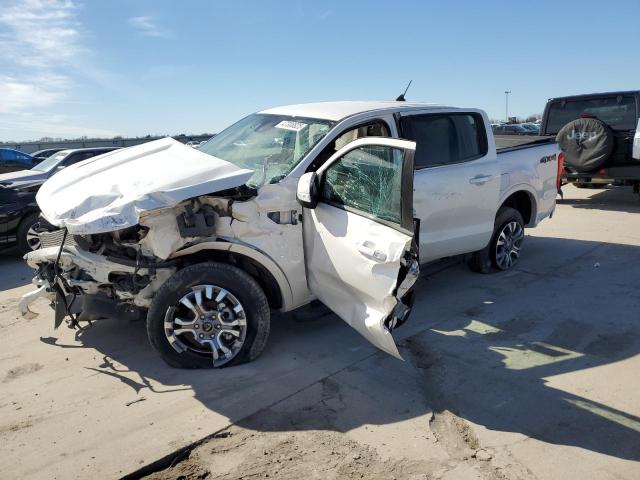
point(51, 162)
point(270, 145)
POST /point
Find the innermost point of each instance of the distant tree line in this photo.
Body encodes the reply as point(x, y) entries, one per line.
point(85, 138)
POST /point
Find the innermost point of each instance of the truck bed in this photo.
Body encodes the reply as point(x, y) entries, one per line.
point(534, 159)
point(506, 143)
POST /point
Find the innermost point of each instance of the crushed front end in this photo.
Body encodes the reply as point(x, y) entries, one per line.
point(91, 277)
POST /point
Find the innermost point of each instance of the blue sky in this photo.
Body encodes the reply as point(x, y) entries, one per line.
point(102, 68)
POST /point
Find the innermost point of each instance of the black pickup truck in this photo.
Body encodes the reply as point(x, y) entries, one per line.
point(599, 134)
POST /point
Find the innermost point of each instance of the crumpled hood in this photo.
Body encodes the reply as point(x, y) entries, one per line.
point(110, 191)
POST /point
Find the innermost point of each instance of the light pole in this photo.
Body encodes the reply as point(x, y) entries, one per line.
point(506, 101)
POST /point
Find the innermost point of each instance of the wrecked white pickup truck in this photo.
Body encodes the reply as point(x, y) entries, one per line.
point(287, 205)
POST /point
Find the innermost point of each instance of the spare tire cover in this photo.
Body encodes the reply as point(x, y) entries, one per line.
point(586, 143)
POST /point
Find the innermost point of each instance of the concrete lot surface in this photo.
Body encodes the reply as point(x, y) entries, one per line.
point(531, 373)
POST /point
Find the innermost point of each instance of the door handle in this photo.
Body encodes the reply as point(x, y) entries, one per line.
point(368, 249)
point(480, 179)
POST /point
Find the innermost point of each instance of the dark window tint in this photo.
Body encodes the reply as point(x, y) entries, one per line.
point(618, 112)
point(470, 139)
point(445, 139)
point(78, 157)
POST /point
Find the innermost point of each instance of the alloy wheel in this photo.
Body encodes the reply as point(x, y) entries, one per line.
point(208, 321)
point(509, 244)
point(33, 237)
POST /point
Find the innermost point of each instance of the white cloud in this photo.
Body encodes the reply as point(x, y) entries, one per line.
point(18, 95)
point(37, 33)
point(40, 42)
point(147, 25)
point(326, 14)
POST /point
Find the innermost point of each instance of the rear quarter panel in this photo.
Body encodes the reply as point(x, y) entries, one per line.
point(534, 170)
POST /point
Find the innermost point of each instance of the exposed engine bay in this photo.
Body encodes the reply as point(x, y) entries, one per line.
point(100, 275)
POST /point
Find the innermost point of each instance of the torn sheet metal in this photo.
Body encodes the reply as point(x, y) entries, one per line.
point(109, 192)
point(353, 265)
point(98, 270)
point(163, 237)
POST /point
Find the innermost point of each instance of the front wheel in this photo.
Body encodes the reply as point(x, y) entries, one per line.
point(209, 315)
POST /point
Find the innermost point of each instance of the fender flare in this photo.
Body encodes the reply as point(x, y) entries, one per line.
point(253, 254)
point(529, 190)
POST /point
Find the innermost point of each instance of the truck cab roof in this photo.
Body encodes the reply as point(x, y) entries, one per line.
point(337, 111)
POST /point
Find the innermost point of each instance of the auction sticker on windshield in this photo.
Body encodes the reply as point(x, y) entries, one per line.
point(291, 125)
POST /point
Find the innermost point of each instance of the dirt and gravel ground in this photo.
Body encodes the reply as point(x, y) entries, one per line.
point(531, 373)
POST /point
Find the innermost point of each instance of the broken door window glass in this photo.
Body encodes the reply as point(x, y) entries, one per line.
point(368, 179)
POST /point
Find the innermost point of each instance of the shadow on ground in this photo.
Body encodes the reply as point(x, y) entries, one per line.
point(479, 346)
point(609, 198)
point(14, 272)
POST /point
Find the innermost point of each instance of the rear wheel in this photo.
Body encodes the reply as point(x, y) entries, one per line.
point(503, 251)
point(507, 239)
point(209, 315)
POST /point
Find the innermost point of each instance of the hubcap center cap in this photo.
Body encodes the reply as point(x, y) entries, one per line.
point(207, 326)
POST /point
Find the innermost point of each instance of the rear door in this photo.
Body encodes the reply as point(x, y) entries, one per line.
point(457, 182)
point(360, 256)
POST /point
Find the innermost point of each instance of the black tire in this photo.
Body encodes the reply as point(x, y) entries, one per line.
point(485, 260)
point(237, 282)
point(480, 261)
point(31, 220)
point(591, 185)
point(505, 216)
point(587, 143)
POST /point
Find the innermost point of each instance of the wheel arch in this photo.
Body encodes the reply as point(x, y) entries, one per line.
point(523, 200)
point(21, 216)
point(264, 270)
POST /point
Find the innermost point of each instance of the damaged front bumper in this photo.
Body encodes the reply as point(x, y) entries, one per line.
point(43, 291)
point(87, 286)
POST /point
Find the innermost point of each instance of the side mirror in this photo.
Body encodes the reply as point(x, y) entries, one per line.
point(308, 190)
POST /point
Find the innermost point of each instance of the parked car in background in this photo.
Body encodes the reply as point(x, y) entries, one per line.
point(41, 155)
point(19, 212)
point(511, 129)
point(337, 201)
point(193, 144)
point(532, 127)
point(599, 134)
point(13, 160)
